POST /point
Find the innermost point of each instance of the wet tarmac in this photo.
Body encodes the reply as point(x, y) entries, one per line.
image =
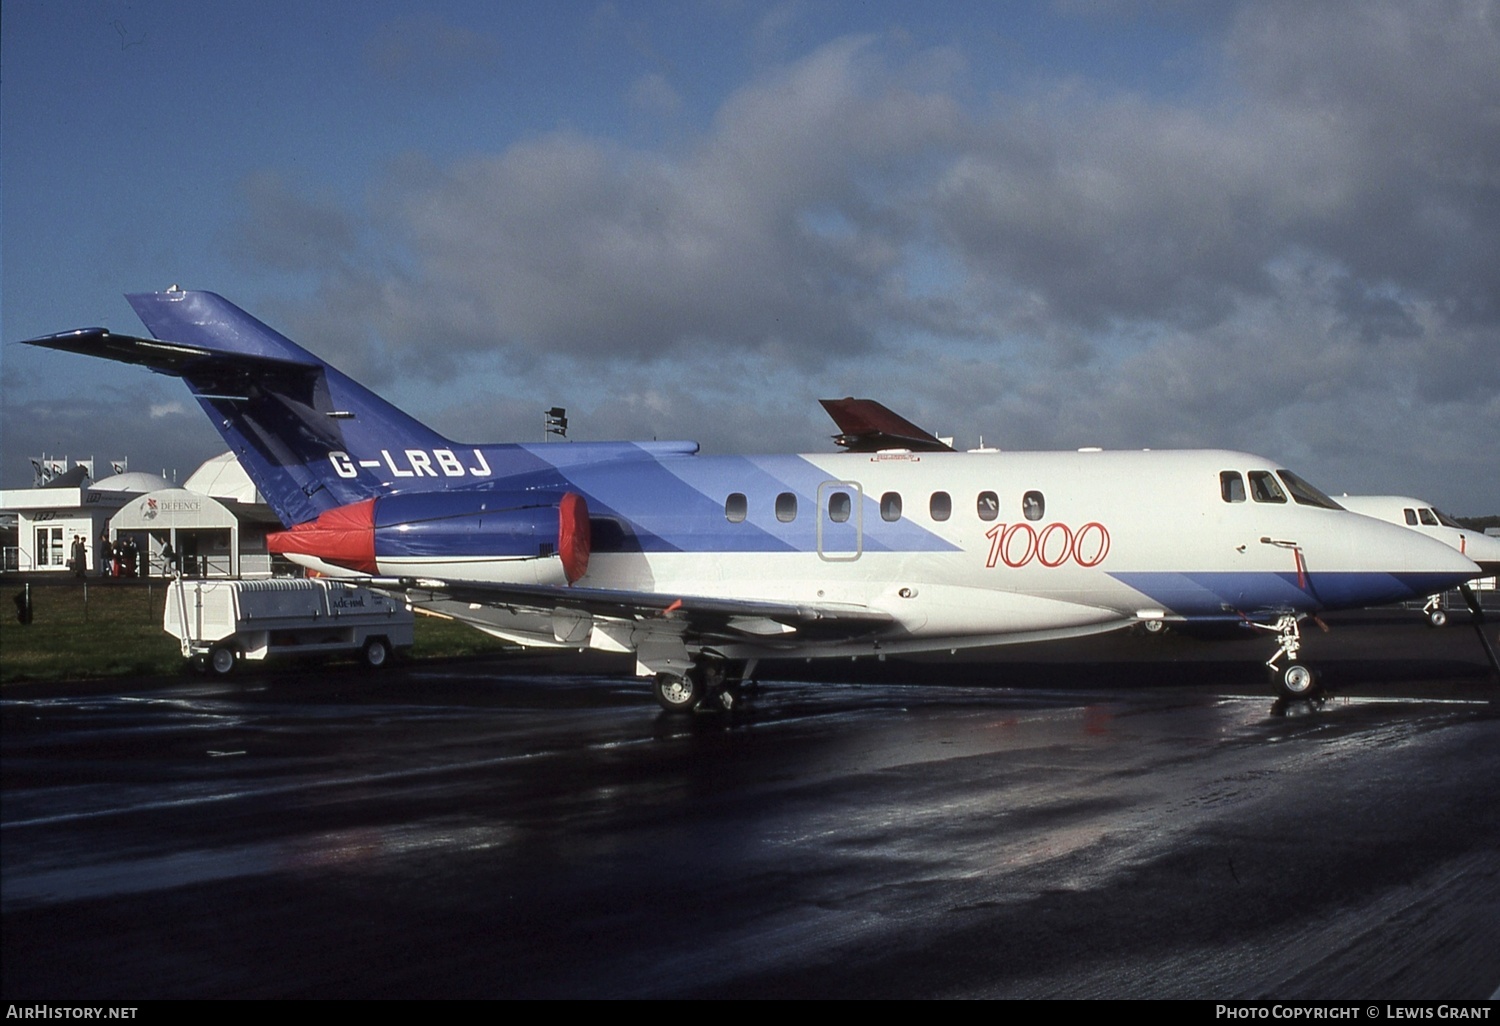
point(1138, 821)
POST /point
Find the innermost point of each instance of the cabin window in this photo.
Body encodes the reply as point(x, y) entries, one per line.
point(1411, 517)
point(988, 505)
point(890, 507)
point(1428, 520)
point(786, 507)
point(735, 508)
point(1231, 486)
point(839, 507)
point(1033, 505)
point(940, 506)
point(1304, 493)
point(1263, 487)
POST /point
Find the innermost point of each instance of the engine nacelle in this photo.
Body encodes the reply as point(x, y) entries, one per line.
point(439, 526)
point(515, 525)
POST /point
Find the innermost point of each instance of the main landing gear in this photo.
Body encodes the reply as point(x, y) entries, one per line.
point(708, 686)
point(1294, 679)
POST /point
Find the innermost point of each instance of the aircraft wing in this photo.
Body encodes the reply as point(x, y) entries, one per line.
point(868, 426)
point(648, 615)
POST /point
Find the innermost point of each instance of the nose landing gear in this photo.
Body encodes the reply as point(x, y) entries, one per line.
point(1436, 615)
point(1295, 679)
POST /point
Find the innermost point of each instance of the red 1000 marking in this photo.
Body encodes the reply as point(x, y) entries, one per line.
point(1018, 544)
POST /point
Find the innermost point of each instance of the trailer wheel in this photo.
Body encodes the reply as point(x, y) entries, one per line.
point(221, 660)
point(377, 653)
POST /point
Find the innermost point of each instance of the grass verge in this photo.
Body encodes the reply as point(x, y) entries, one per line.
point(103, 628)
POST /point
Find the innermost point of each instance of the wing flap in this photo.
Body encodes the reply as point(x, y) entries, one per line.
point(664, 613)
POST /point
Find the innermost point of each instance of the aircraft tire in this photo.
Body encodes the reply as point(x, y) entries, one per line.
point(222, 660)
point(377, 653)
point(677, 694)
point(1437, 618)
point(1296, 680)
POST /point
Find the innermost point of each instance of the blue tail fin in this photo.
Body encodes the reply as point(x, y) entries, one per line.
point(289, 417)
point(310, 437)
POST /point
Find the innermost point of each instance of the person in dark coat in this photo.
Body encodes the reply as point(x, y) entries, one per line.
point(80, 560)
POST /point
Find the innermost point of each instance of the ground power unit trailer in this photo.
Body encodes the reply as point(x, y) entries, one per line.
point(222, 623)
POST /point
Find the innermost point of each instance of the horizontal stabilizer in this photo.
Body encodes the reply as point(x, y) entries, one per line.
point(166, 357)
point(290, 419)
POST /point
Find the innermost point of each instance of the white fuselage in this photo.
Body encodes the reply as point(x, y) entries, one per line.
point(1032, 546)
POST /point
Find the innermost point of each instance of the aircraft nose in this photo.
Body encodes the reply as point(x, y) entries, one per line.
point(1484, 550)
point(1428, 566)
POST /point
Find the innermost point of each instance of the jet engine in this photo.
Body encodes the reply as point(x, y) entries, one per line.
point(420, 532)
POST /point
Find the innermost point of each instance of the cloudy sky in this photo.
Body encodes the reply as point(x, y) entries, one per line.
point(1265, 226)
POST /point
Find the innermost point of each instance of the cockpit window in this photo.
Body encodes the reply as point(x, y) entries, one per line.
point(1231, 486)
point(1428, 519)
point(1446, 520)
point(1263, 487)
point(1304, 493)
point(1411, 516)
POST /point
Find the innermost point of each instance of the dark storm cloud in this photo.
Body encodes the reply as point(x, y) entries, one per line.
point(288, 229)
point(773, 232)
point(1408, 100)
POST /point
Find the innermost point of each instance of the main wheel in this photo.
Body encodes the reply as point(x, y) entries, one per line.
point(221, 660)
point(1296, 680)
point(677, 693)
point(377, 653)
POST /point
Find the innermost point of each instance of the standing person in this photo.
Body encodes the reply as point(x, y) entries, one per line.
point(80, 556)
point(105, 553)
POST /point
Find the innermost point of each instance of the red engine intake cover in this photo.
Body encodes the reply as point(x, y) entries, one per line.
point(344, 535)
point(574, 540)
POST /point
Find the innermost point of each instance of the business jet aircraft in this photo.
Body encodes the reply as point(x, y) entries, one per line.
point(701, 566)
point(1422, 516)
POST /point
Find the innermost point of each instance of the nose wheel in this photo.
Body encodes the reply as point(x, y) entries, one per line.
point(1436, 615)
point(1296, 680)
